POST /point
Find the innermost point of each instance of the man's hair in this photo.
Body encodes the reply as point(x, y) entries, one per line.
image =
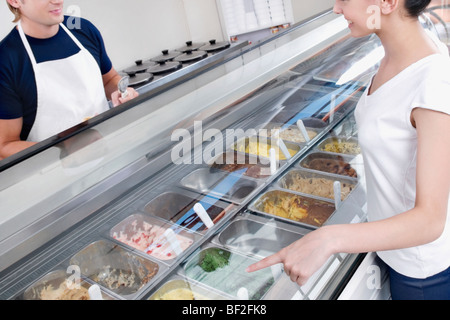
point(15, 11)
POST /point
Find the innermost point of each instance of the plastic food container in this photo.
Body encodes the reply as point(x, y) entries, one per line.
point(146, 234)
point(224, 271)
point(181, 289)
point(60, 285)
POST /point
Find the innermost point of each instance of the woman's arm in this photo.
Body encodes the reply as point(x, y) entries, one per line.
point(420, 225)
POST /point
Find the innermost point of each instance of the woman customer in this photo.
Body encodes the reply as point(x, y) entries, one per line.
point(404, 132)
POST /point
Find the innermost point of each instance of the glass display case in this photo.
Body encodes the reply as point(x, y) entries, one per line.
point(171, 193)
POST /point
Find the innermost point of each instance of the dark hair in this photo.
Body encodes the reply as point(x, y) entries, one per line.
point(416, 7)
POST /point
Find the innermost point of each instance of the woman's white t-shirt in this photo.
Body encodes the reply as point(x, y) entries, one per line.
point(389, 147)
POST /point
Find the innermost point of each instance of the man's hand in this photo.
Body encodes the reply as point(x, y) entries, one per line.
point(116, 97)
point(110, 81)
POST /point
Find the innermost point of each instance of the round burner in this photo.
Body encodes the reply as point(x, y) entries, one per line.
point(190, 56)
point(137, 78)
point(166, 56)
point(139, 67)
point(215, 46)
point(191, 46)
point(165, 66)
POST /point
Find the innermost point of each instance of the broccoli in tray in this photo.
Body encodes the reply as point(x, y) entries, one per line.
point(214, 259)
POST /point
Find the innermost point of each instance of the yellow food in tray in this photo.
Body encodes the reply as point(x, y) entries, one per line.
point(288, 207)
point(347, 147)
point(295, 207)
point(291, 134)
point(182, 294)
point(262, 149)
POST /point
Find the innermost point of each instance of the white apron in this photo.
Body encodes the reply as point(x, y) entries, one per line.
point(68, 90)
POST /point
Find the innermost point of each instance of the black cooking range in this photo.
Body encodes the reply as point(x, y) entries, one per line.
point(146, 74)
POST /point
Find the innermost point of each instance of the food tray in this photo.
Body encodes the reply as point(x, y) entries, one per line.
point(316, 183)
point(224, 270)
point(178, 288)
point(294, 208)
point(145, 234)
point(115, 268)
point(288, 116)
point(177, 207)
point(340, 145)
point(221, 185)
point(257, 238)
point(53, 286)
point(329, 163)
point(237, 162)
point(259, 146)
point(291, 133)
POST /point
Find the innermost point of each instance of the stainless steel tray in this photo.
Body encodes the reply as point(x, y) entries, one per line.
point(259, 146)
point(115, 268)
point(291, 133)
point(330, 163)
point(176, 206)
point(291, 207)
point(257, 238)
point(344, 145)
point(233, 161)
point(316, 183)
point(221, 185)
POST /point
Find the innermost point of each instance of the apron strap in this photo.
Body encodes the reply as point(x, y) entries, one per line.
point(28, 47)
point(78, 43)
point(26, 44)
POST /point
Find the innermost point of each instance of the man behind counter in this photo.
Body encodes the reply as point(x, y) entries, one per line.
point(51, 78)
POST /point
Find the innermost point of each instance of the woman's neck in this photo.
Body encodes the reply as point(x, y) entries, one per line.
point(406, 42)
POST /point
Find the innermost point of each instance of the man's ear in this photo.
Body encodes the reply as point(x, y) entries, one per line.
point(14, 3)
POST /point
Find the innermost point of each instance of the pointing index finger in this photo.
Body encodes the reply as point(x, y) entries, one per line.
point(264, 263)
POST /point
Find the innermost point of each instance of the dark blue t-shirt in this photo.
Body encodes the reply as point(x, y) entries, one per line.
point(18, 93)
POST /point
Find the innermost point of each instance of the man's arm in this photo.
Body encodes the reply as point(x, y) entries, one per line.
point(10, 142)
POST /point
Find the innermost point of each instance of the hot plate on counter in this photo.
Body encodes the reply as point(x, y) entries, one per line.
point(146, 74)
